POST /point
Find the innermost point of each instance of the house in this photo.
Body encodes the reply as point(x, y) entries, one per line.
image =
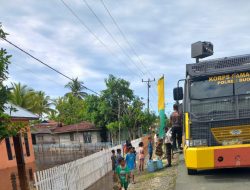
point(42, 133)
point(17, 150)
point(84, 132)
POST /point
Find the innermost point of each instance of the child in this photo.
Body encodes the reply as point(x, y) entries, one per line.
point(169, 142)
point(134, 151)
point(150, 148)
point(122, 172)
point(130, 162)
point(141, 157)
point(113, 159)
point(118, 156)
point(159, 151)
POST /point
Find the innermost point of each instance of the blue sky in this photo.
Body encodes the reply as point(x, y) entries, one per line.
point(161, 32)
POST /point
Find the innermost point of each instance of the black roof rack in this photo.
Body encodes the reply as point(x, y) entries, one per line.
point(219, 66)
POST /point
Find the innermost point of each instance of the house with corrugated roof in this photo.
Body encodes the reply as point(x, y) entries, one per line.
point(84, 132)
point(52, 132)
point(17, 150)
point(42, 133)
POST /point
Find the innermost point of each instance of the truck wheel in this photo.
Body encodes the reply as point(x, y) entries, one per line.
point(191, 172)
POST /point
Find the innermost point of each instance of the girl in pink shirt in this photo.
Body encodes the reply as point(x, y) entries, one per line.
point(141, 157)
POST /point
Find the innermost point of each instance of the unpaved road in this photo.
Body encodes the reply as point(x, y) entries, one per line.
point(223, 179)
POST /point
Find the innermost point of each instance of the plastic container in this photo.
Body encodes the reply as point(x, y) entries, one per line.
point(159, 164)
point(150, 166)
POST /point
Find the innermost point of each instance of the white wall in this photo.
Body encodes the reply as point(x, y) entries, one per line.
point(78, 137)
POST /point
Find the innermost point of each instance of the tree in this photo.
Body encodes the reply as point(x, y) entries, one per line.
point(6, 127)
point(117, 95)
point(113, 127)
point(41, 103)
point(4, 64)
point(21, 95)
point(76, 88)
point(70, 109)
point(35, 101)
point(135, 118)
point(115, 99)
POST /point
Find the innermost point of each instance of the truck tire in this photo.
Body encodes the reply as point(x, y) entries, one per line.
point(191, 172)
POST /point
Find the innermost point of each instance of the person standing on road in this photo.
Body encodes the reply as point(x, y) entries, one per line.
point(123, 172)
point(150, 148)
point(114, 161)
point(118, 156)
point(130, 162)
point(168, 143)
point(159, 151)
point(141, 157)
point(176, 123)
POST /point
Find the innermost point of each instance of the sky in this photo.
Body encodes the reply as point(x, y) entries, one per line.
point(158, 37)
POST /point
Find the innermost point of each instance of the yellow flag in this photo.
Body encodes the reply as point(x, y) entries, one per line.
point(161, 96)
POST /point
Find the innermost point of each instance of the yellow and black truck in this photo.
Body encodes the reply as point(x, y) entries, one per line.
point(216, 113)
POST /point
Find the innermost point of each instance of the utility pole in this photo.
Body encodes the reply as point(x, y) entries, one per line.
point(148, 84)
point(119, 115)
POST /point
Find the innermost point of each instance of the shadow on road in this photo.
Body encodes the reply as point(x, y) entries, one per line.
point(228, 173)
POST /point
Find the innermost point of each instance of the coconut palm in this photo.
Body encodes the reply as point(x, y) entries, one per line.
point(76, 88)
point(41, 103)
point(35, 101)
point(21, 95)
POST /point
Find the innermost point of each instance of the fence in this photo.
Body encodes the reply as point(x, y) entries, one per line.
point(79, 174)
point(49, 155)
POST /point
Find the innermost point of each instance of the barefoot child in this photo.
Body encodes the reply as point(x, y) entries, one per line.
point(159, 151)
point(122, 172)
point(113, 159)
point(141, 157)
point(150, 148)
point(168, 143)
point(130, 162)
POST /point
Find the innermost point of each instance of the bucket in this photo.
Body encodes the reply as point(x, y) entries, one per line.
point(150, 166)
point(159, 164)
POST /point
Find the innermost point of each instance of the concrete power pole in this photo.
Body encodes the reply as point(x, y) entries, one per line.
point(148, 85)
point(119, 122)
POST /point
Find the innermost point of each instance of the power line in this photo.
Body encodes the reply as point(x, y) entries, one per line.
point(125, 38)
point(111, 35)
point(31, 72)
point(95, 36)
point(122, 33)
point(45, 64)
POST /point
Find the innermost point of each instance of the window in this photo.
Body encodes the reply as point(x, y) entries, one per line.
point(40, 138)
point(8, 148)
point(220, 85)
point(87, 137)
point(71, 135)
point(26, 142)
point(210, 89)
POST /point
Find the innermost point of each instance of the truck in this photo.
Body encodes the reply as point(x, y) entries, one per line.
point(216, 113)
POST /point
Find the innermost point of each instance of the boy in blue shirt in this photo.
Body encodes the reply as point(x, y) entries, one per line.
point(130, 162)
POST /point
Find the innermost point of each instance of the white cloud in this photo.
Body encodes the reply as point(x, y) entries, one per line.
point(160, 31)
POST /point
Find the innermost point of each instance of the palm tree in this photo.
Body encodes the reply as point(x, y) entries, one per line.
point(21, 95)
point(36, 102)
point(41, 103)
point(76, 88)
